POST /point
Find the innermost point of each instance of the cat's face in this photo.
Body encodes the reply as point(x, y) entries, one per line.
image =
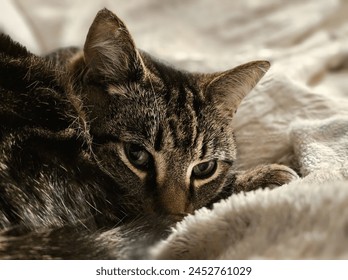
point(165, 142)
point(164, 135)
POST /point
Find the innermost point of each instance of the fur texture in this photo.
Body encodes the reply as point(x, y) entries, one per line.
point(107, 137)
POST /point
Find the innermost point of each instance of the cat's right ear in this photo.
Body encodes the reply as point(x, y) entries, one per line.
point(109, 51)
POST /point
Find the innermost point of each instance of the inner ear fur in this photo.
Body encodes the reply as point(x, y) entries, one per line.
point(227, 89)
point(109, 50)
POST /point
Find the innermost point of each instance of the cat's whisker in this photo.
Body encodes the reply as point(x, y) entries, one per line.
point(93, 206)
point(83, 224)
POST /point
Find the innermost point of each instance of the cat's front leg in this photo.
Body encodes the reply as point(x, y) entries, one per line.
point(264, 176)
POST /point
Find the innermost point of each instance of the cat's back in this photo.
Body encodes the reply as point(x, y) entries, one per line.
point(47, 176)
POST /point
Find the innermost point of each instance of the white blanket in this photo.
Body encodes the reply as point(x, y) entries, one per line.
point(297, 115)
point(305, 219)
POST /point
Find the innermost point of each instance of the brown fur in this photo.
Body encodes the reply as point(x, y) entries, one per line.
point(103, 136)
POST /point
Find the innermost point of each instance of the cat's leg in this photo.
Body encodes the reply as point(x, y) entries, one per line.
point(264, 176)
point(260, 177)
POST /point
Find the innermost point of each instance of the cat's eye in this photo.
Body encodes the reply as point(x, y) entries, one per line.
point(204, 170)
point(137, 155)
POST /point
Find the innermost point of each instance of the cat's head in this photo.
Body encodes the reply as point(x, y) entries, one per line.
point(165, 135)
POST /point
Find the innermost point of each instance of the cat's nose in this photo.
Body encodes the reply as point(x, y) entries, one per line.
point(175, 199)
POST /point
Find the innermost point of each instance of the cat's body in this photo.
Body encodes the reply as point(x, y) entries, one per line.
point(102, 150)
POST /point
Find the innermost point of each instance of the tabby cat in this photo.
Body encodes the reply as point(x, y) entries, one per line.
point(104, 149)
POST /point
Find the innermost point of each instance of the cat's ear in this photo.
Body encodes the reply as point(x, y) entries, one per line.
point(109, 50)
point(226, 90)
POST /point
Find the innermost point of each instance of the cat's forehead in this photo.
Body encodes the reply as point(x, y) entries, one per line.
point(135, 110)
point(156, 91)
point(167, 116)
point(132, 92)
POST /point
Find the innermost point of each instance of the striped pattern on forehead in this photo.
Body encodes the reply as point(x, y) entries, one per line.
point(182, 101)
point(182, 117)
point(139, 110)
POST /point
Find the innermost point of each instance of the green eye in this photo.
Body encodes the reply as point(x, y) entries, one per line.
point(137, 155)
point(204, 170)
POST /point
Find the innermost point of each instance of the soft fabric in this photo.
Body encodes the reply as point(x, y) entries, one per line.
point(308, 218)
point(297, 115)
point(302, 220)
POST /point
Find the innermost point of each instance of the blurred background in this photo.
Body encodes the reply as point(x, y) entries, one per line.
point(191, 33)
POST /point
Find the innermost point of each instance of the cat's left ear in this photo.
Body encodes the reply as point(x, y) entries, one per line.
point(109, 51)
point(226, 90)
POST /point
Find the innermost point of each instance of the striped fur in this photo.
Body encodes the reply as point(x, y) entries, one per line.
point(73, 126)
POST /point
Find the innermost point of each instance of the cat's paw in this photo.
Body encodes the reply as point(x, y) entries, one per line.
point(279, 175)
point(264, 176)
